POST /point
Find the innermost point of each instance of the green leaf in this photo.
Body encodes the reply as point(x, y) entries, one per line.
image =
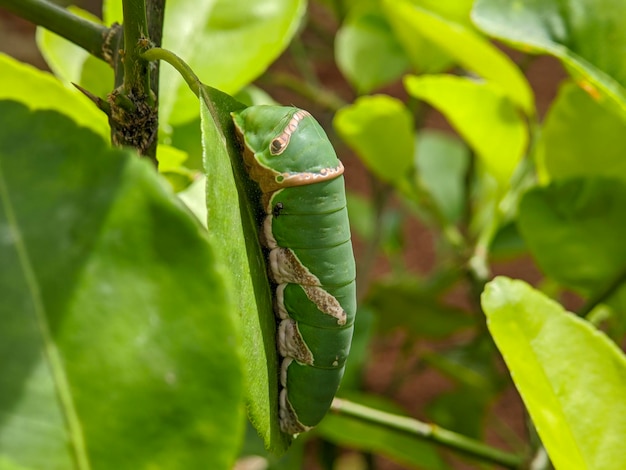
point(171, 166)
point(379, 129)
point(507, 243)
point(188, 138)
point(611, 316)
point(227, 43)
point(466, 47)
point(442, 163)
point(457, 11)
point(461, 410)
point(588, 36)
point(571, 377)
point(396, 445)
point(170, 158)
point(232, 225)
point(367, 52)
point(252, 95)
point(112, 12)
point(424, 55)
point(40, 90)
point(580, 137)
point(119, 341)
point(194, 197)
point(575, 230)
point(73, 64)
point(406, 304)
point(482, 114)
point(472, 365)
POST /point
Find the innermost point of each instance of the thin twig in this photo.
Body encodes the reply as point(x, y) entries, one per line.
point(429, 432)
point(604, 294)
point(84, 33)
point(157, 53)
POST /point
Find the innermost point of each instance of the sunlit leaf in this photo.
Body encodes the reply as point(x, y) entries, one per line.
point(207, 37)
point(40, 90)
point(581, 138)
point(466, 47)
point(73, 64)
point(367, 52)
point(571, 377)
point(588, 36)
point(482, 114)
point(379, 129)
point(442, 162)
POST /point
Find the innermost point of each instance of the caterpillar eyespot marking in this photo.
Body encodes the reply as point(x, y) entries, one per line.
point(310, 258)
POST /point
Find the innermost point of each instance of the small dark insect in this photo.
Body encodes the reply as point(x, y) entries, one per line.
point(277, 209)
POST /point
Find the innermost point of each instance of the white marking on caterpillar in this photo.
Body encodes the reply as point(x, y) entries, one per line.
point(283, 371)
point(289, 423)
point(291, 344)
point(285, 180)
point(285, 267)
point(267, 237)
point(280, 309)
point(280, 143)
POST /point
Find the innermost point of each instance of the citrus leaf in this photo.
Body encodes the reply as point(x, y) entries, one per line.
point(588, 36)
point(379, 129)
point(482, 114)
point(119, 341)
point(466, 47)
point(231, 201)
point(580, 137)
point(574, 230)
point(40, 90)
point(367, 52)
point(571, 377)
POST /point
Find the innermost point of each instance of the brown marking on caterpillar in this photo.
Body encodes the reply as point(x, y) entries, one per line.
point(291, 344)
point(287, 180)
point(270, 180)
point(285, 267)
point(279, 144)
point(288, 418)
point(326, 303)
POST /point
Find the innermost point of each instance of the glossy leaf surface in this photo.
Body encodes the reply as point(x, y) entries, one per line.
point(571, 377)
point(119, 343)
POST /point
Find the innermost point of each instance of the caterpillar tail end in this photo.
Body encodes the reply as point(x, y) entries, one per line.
point(289, 423)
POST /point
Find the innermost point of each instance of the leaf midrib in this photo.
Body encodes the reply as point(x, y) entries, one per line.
point(51, 352)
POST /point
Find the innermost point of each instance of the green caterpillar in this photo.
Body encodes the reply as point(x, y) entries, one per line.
point(310, 259)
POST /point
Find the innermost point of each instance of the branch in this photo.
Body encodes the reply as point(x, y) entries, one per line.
point(84, 33)
point(428, 432)
point(155, 14)
point(136, 71)
point(134, 113)
point(156, 53)
point(604, 294)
